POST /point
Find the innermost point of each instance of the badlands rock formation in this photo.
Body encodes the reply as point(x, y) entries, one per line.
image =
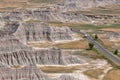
point(8, 29)
point(14, 52)
point(19, 61)
point(32, 73)
point(34, 32)
point(71, 5)
point(25, 73)
point(11, 44)
point(39, 31)
point(40, 57)
point(42, 14)
point(57, 12)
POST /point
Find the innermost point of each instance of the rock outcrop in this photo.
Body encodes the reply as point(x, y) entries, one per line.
point(42, 14)
point(14, 52)
point(41, 57)
point(69, 5)
point(8, 29)
point(25, 73)
point(11, 44)
point(36, 32)
point(31, 73)
point(48, 14)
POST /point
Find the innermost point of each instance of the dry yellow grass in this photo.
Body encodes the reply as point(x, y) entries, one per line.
point(94, 73)
point(113, 75)
point(11, 4)
point(80, 44)
point(111, 29)
point(16, 67)
point(101, 36)
point(64, 23)
point(107, 43)
point(59, 69)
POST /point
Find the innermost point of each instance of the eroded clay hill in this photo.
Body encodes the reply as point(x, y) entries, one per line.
point(22, 74)
point(30, 73)
point(18, 61)
point(41, 14)
point(14, 52)
point(40, 57)
point(73, 5)
point(35, 32)
point(39, 31)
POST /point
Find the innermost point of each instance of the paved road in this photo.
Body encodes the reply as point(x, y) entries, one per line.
point(101, 49)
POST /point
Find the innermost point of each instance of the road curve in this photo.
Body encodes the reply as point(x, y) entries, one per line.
point(101, 49)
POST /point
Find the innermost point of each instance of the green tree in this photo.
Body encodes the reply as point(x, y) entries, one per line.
point(91, 45)
point(116, 52)
point(96, 37)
